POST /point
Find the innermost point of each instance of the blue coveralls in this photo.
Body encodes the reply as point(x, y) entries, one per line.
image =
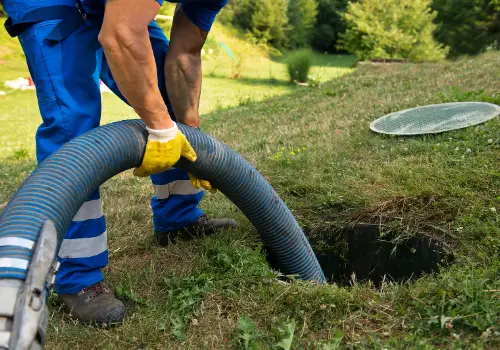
point(66, 74)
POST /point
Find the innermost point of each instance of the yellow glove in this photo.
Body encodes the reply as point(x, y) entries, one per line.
point(163, 150)
point(197, 183)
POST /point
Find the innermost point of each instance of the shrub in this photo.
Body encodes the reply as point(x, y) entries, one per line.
point(263, 20)
point(400, 29)
point(298, 64)
point(329, 25)
point(269, 21)
point(238, 13)
point(467, 26)
point(301, 19)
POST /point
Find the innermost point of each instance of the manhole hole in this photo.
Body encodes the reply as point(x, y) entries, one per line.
point(361, 254)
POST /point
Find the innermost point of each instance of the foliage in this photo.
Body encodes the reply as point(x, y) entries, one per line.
point(238, 13)
point(396, 29)
point(298, 65)
point(280, 23)
point(329, 25)
point(301, 18)
point(269, 21)
point(201, 288)
point(264, 20)
point(467, 26)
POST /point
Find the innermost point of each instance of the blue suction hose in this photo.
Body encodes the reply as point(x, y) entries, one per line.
point(64, 181)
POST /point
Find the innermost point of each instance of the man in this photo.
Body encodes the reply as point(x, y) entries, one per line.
point(70, 46)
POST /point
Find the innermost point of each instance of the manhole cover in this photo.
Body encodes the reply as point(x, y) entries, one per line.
point(434, 119)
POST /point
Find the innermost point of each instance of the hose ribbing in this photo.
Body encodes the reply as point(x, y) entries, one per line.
point(64, 181)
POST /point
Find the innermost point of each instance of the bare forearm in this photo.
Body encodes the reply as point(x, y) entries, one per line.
point(130, 57)
point(183, 81)
point(183, 68)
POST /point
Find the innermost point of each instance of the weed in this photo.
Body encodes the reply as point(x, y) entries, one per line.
point(247, 334)
point(124, 291)
point(185, 295)
point(287, 334)
point(455, 94)
point(21, 154)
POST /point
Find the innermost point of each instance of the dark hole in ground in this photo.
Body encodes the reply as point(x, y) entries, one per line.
point(362, 252)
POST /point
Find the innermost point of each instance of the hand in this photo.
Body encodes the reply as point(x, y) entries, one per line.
point(163, 150)
point(197, 183)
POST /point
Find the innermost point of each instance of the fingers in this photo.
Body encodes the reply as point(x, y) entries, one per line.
point(141, 172)
point(194, 181)
point(188, 151)
point(205, 184)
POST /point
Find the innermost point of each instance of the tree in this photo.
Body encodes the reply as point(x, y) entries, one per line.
point(329, 25)
point(239, 13)
point(269, 21)
point(397, 29)
point(301, 19)
point(467, 26)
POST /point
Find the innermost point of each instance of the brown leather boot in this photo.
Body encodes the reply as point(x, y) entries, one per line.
point(96, 305)
point(201, 227)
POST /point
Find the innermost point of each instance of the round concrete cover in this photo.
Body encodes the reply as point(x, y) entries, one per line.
point(434, 119)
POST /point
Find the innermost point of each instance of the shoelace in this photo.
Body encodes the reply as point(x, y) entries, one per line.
point(97, 288)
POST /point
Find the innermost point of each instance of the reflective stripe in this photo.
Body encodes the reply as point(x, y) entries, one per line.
point(182, 187)
point(89, 210)
point(17, 242)
point(4, 339)
point(83, 247)
point(14, 263)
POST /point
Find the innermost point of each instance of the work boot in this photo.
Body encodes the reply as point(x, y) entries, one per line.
point(201, 227)
point(96, 305)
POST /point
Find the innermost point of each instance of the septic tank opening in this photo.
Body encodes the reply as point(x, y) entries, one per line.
point(360, 253)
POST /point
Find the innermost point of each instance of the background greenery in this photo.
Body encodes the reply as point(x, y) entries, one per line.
point(392, 29)
point(219, 292)
point(464, 26)
point(468, 26)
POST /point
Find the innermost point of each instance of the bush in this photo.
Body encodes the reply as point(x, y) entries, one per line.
point(269, 21)
point(467, 26)
point(264, 20)
point(329, 25)
point(298, 64)
point(301, 19)
point(392, 29)
point(238, 13)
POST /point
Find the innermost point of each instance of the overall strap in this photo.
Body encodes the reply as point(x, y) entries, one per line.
point(71, 18)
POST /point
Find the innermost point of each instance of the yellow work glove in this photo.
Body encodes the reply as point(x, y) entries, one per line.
point(163, 150)
point(197, 183)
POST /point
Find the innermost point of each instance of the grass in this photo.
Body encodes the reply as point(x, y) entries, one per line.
point(218, 292)
point(258, 78)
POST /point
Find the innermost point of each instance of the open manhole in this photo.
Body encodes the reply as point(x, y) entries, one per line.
point(361, 254)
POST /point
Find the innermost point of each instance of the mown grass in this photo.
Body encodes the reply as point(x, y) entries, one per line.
point(226, 83)
point(218, 292)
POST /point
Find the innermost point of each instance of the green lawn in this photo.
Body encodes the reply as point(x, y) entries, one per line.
point(218, 292)
point(258, 78)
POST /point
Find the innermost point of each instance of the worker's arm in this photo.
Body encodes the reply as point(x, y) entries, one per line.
point(183, 68)
point(125, 39)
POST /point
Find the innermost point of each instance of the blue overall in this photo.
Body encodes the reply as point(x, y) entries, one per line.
point(67, 76)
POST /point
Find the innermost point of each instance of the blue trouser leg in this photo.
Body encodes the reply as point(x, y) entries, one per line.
point(175, 203)
point(66, 75)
